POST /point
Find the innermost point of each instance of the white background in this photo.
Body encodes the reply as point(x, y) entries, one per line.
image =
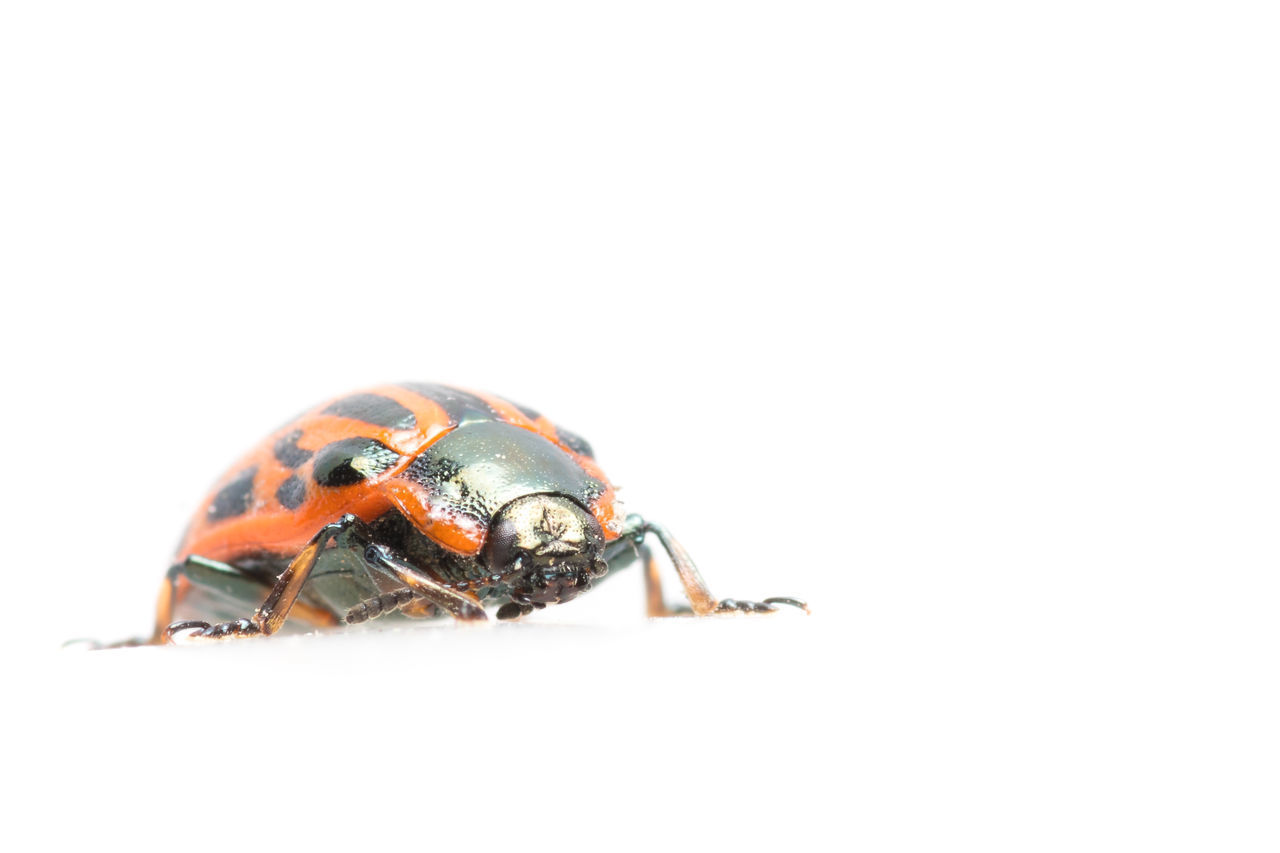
point(956, 319)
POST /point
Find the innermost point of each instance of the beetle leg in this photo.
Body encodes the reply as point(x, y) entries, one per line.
point(221, 579)
point(703, 603)
point(379, 605)
point(460, 605)
point(181, 632)
point(655, 602)
point(401, 598)
point(419, 608)
point(273, 611)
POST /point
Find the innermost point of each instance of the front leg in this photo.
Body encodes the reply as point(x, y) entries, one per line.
point(463, 606)
point(702, 602)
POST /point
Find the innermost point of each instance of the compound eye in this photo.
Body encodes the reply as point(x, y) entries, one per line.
point(503, 549)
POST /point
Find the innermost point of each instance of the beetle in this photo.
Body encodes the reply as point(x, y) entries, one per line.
point(416, 499)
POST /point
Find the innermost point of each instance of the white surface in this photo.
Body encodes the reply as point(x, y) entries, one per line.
point(958, 321)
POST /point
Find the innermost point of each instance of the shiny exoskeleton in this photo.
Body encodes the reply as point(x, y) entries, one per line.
point(414, 499)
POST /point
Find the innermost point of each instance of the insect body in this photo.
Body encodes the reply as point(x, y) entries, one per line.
point(414, 499)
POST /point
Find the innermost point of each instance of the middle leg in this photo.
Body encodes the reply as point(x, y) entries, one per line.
point(702, 602)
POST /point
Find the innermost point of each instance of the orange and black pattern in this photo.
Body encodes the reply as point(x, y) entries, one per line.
point(347, 456)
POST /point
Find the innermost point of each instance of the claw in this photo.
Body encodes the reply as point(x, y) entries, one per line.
point(179, 632)
point(793, 602)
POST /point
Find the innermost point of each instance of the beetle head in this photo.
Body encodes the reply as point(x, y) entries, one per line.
point(550, 546)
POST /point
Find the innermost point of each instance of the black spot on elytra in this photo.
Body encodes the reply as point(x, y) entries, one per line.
point(460, 406)
point(373, 409)
point(288, 452)
point(574, 442)
point(234, 498)
point(352, 460)
point(292, 493)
